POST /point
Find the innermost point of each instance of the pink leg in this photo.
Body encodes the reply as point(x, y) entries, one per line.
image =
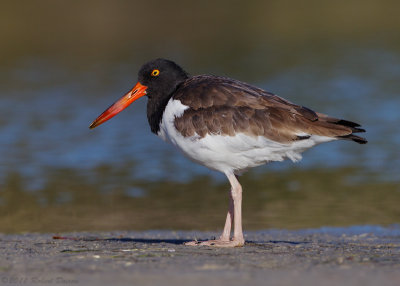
point(237, 209)
point(234, 216)
point(226, 234)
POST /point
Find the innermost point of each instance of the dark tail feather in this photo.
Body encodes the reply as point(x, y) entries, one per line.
point(347, 123)
point(354, 128)
point(355, 138)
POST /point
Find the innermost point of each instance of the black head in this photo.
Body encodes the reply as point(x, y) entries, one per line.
point(157, 79)
point(161, 77)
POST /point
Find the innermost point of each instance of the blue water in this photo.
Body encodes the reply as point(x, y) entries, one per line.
point(375, 231)
point(46, 110)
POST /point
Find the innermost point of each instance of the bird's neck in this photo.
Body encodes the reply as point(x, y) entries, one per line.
point(158, 100)
point(155, 111)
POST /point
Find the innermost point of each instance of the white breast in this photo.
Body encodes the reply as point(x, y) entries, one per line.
point(174, 109)
point(229, 154)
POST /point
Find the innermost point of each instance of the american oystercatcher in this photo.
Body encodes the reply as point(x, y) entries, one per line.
point(228, 126)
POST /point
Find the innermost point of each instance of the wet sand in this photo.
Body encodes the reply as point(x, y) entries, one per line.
point(159, 258)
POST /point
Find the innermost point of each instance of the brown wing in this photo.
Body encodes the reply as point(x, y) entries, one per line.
point(224, 106)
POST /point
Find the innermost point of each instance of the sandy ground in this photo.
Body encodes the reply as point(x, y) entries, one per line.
point(159, 258)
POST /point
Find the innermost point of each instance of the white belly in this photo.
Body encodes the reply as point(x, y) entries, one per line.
point(229, 154)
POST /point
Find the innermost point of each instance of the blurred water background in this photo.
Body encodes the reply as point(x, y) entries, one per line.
point(63, 62)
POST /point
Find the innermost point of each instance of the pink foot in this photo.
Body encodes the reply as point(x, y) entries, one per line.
point(217, 243)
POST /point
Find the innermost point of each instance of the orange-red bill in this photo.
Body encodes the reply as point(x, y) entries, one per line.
point(137, 91)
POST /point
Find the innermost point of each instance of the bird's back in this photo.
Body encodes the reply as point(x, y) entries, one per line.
point(223, 106)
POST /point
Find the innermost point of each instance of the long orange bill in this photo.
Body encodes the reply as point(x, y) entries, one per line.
point(137, 92)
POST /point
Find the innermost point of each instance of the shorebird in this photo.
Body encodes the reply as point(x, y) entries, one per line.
point(228, 126)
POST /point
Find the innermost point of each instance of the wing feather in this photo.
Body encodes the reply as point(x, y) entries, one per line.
point(224, 106)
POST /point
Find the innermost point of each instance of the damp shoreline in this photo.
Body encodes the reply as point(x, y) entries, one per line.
point(360, 255)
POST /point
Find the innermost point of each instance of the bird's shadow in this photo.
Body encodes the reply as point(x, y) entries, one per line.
point(287, 242)
point(149, 240)
point(183, 241)
point(171, 240)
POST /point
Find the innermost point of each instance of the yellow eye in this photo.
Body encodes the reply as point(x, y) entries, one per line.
point(155, 73)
